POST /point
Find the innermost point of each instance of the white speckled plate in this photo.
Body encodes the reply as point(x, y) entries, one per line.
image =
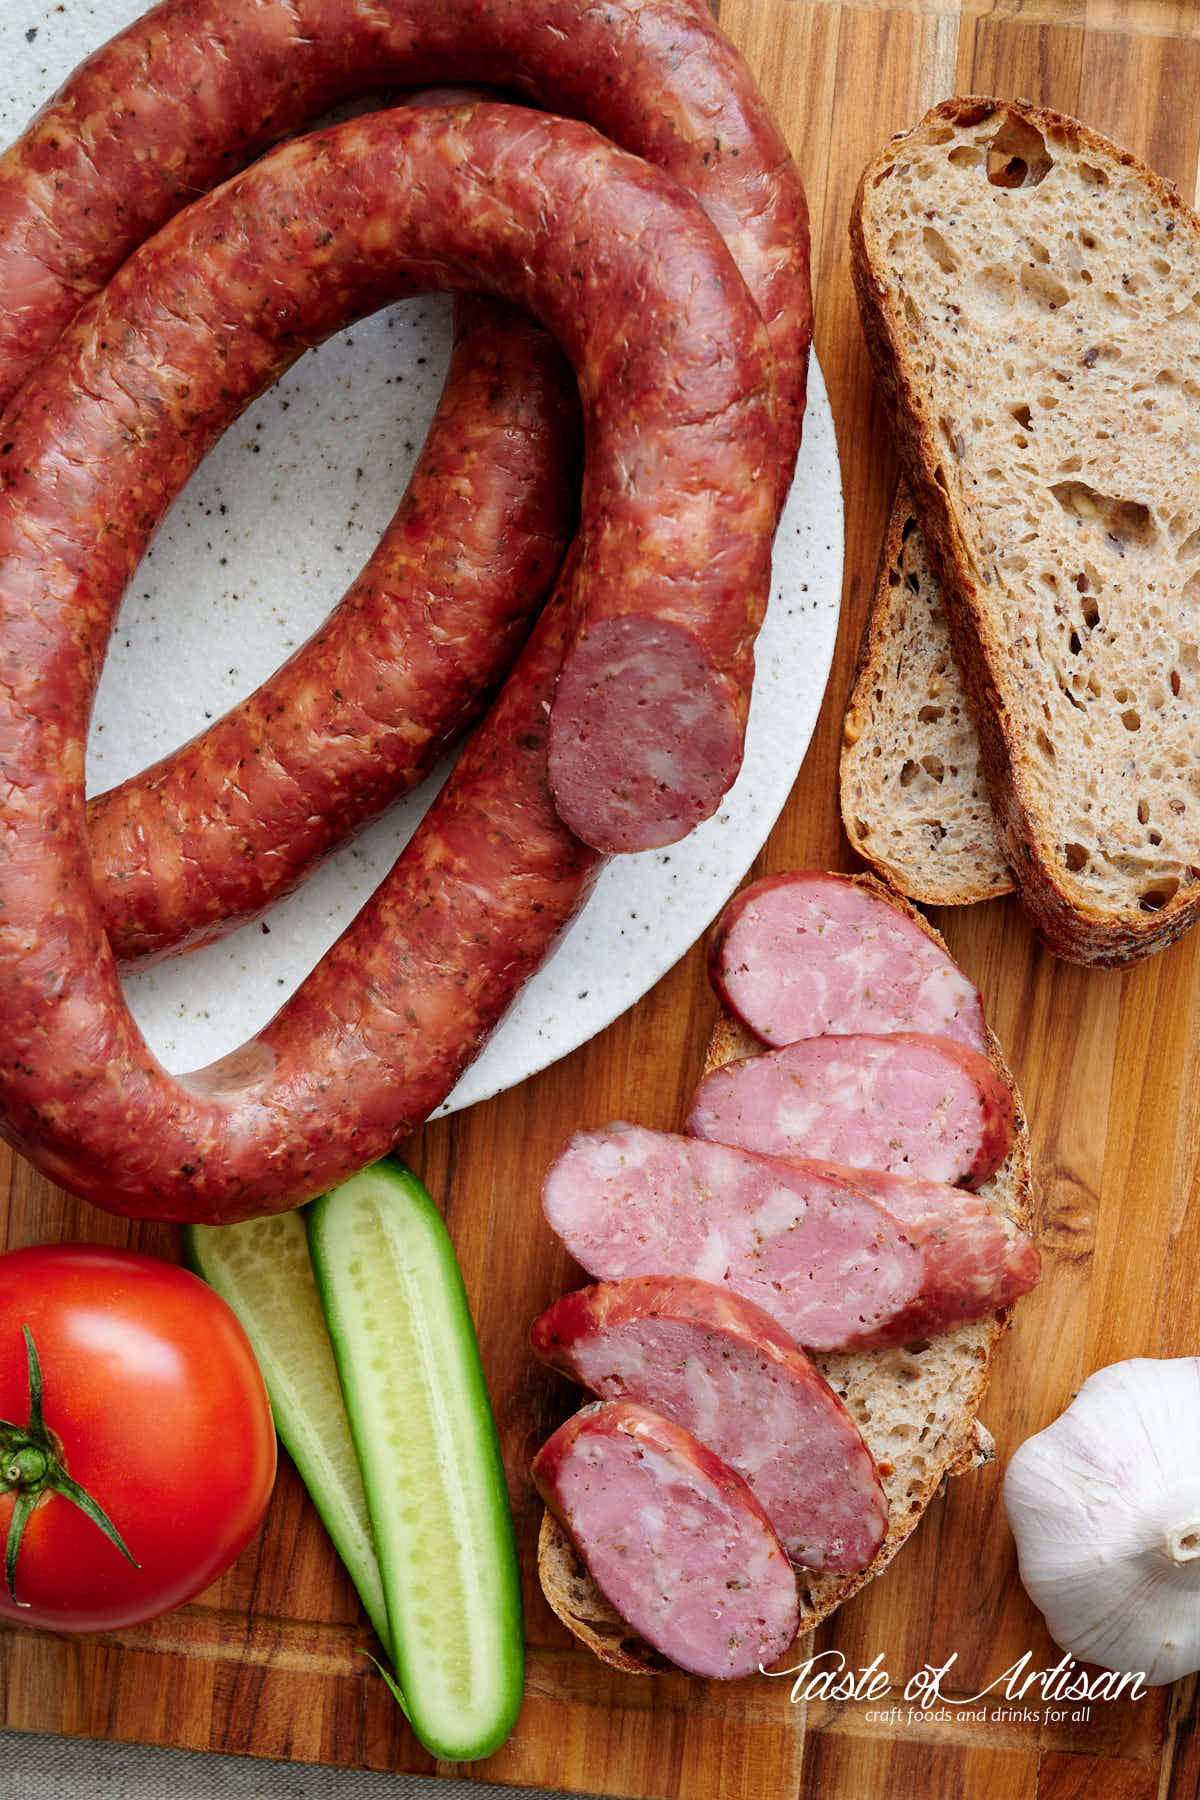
point(263, 542)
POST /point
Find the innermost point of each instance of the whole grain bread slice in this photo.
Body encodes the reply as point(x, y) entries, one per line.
point(916, 1406)
point(915, 804)
point(1030, 295)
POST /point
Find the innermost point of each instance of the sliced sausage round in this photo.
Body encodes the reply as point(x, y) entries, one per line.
point(805, 954)
point(721, 1367)
point(673, 1538)
point(844, 1259)
point(908, 1104)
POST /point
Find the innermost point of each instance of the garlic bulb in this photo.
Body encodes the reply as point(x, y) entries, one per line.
point(1105, 1507)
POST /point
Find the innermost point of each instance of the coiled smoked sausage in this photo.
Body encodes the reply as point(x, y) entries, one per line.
point(104, 434)
point(647, 729)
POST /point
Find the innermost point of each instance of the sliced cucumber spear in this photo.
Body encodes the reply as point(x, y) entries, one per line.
point(435, 1497)
point(405, 1345)
point(262, 1269)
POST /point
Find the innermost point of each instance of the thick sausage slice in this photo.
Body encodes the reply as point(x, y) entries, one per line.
point(723, 1369)
point(908, 1104)
point(107, 431)
point(673, 1538)
point(844, 1259)
point(804, 954)
point(214, 833)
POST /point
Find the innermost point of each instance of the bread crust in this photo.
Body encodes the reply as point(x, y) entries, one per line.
point(1066, 918)
point(916, 1406)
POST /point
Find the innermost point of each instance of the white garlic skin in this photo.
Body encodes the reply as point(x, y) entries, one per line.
point(1105, 1508)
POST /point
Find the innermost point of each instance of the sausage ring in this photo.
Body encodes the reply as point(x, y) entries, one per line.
point(648, 724)
point(679, 425)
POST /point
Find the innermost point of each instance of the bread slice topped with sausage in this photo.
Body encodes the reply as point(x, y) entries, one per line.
point(913, 1279)
point(1025, 290)
point(675, 1535)
point(724, 1369)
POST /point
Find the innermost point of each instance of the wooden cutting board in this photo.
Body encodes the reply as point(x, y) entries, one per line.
point(271, 1662)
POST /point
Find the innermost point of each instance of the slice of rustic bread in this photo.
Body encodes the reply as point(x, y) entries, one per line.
point(1030, 294)
point(915, 803)
point(916, 1407)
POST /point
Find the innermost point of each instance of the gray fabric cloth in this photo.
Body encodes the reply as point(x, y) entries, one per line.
point(50, 1768)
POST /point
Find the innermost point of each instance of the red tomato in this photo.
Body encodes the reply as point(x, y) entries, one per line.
point(158, 1410)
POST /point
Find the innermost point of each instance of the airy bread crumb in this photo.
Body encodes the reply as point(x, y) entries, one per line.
point(915, 804)
point(1030, 294)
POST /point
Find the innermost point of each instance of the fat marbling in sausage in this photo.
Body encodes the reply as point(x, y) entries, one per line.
point(844, 1259)
point(723, 1368)
point(905, 1103)
point(673, 1538)
point(802, 954)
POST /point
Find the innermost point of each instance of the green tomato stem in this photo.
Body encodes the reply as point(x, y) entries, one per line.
point(31, 1465)
point(28, 1468)
point(24, 1504)
point(37, 1417)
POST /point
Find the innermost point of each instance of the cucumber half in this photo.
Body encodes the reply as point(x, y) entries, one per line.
point(262, 1269)
point(406, 1352)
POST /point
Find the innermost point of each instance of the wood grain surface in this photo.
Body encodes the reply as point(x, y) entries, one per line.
point(271, 1661)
